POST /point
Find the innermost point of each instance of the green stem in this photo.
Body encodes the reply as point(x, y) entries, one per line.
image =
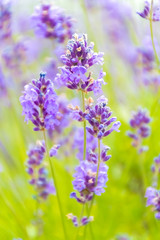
point(78, 228)
point(88, 215)
point(55, 184)
point(151, 29)
point(84, 126)
point(99, 158)
point(91, 205)
point(90, 225)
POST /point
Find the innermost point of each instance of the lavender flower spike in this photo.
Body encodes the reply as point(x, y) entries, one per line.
point(51, 22)
point(147, 12)
point(39, 104)
point(153, 198)
point(85, 180)
point(139, 122)
point(83, 221)
point(5, 19)
point(155, 168)
point(38, 173)
point(99, 117)
point(79, 58)
point(53, 151)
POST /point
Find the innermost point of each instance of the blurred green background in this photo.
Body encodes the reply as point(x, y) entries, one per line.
point(121, 209)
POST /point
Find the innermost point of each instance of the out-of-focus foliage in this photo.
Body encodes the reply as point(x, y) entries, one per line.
point(132, 80)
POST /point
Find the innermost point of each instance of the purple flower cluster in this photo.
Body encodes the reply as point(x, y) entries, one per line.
point(5, 19)
point(139, 123)
point(155, 168)
point(63, 118)
point(98, 117)
point(153, 198)
point(83, 220)
point(86, 181)
point(77, 61)
point(146, 66)
point(51, 22)
point(147, 12)
point(78, 143)
point(54, 150)
point(38, 173)
point(39, 104)
point(13, 55)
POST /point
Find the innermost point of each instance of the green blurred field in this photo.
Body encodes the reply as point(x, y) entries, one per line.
point(121, 209)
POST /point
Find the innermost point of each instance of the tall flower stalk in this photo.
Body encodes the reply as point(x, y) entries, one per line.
point(84, 128)
point(151, 30)
point(41, 108)
point(153, 192)
point(91, 174)
point(56, 187)
point(38, 179)
point(99, 120)
point(76, 75)
point(152, 14)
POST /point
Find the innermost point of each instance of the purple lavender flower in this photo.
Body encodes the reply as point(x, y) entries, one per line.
point(78, 143)
point(63, 116)
point(91, 142)
point(83, 221)
point(13, 55)
point(38, 173)
point(155, 168)
point(51, 22)
point(145, 65)
point(153, 198)
point(86, 181)
point(139, 123)
point(99, 118)
point(77, 61)
point(147, 12)
point(39, 104)
point(73, 218)
point(5, 19)
point(53, 150)
point(51, 69)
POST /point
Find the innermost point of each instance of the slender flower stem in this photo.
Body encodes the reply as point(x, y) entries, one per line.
point(38, 220)
point(84, 126)
point(99, 158)
point(55, 184)
point(90, 225)
point(151, 29)
point(91, 205)
point(78, 228)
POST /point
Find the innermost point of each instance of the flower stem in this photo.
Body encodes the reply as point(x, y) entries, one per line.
point(84, 126)
point(91, 205)
point(99, 158)
point(151, 29)
point(90, 225)
point(78, 228)
point(55, 184)
point(88, 215)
